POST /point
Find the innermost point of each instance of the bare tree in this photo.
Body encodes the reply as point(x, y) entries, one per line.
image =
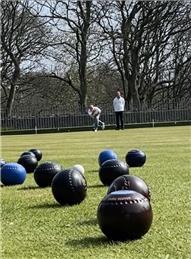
point(71, 44)
point(22, 37)
point(96, 47)
point(141, 43)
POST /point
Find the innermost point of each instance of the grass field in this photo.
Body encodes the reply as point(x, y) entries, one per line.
point(33, 225)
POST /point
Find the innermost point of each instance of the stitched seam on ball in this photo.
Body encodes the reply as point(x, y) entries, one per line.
point(70, 181)
point(11, 168)
point(118, 202)
point(112, 166)
point(46, 169)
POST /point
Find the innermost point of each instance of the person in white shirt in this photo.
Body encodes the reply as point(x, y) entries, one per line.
point(119, 107)
point(95, 113)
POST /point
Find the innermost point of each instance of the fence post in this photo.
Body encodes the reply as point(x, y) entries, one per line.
point(153, 123)
point(35, 129)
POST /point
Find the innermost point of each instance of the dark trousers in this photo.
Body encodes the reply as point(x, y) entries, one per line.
point(119, 120)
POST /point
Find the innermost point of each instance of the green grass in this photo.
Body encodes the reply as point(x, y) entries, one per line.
point(33, 225)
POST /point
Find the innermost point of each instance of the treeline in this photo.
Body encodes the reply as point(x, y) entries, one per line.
point(66, 54)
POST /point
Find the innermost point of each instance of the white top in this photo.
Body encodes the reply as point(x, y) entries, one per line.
point(94, 112)
point(119, 104)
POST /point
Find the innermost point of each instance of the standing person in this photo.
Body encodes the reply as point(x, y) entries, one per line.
point(119, 106)
point(95, 113)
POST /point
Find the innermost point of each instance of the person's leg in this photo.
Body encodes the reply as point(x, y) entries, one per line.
point(121, 120)
point(96, 123)
point(117, 119)
point(101, 123)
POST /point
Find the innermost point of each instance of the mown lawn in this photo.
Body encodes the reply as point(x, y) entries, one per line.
point(33, 225)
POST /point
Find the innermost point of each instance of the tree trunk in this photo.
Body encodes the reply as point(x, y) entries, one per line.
point(11, 97)
point(10, 100)
point(82, 76)
point(134, 93)
point(83, 53)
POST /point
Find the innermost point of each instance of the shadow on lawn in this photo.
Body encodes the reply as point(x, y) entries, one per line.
point(93, 171)
point(46, 206)
point(94, 242)
point(96, 186)
point(26, 188)
point(88, 242)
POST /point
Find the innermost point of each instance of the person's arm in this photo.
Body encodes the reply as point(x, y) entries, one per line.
point(124, 103)
point(89, 112)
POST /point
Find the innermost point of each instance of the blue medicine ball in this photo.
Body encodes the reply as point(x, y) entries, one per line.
point(12, 174)
point(105, 155)
point(135, 158)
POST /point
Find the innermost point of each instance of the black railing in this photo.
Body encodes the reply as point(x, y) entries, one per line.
point(74, 120)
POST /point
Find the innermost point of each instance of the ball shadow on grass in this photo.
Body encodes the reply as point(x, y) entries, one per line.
point(47, 206)
point(31, 187)
point(88, 242)
point(26, 188)
point(96, 186)
point(95, 242)
point(93, 171)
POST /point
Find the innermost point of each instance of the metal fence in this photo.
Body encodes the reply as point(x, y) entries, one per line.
point(69, 121)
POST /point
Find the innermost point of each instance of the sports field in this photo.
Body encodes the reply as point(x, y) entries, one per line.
point(34, 225)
